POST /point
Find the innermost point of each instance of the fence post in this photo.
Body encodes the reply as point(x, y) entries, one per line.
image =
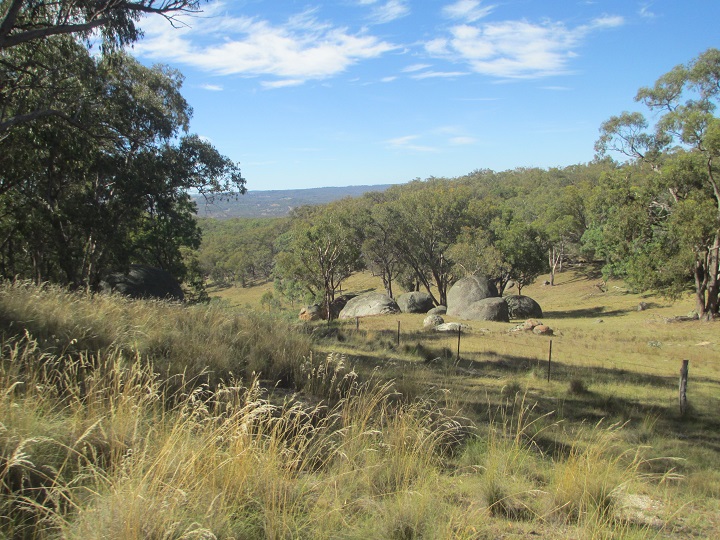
point(398, 335)
point(458, 347)
point(549, 360)
point(683, 387)
point(357, 323)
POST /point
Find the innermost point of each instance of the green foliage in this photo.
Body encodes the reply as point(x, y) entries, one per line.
point(319, 251)
point(675, 244)
point(427, 219)
point(239, 251)
point(84, 198)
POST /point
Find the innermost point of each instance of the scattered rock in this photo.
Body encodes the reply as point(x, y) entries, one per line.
point(693, 316)
point(543, 330)
point(431, 321)
point(438, 310)
point(415, 302)
point(452, 327)
point(530, 324)
point(369, 304)
point(642, 306)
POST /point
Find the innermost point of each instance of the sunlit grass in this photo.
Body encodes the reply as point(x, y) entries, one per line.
point(155, 420)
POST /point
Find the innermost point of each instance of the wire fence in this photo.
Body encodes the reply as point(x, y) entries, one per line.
point(561, 356)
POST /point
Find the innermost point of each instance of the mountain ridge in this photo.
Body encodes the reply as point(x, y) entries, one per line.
point(278, 202)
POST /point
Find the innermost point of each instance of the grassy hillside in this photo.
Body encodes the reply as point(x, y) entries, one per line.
point(127, 419)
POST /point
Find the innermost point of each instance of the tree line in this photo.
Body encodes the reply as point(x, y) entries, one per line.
point(96, 167)
point(647, 209)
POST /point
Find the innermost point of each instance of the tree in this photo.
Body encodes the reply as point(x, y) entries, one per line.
point(427, 219)
point(38, 52)
point(506, 249)
point(377, 230)
point(685, 99)
point(111, 195)
point(320, 251)
point(32, 20)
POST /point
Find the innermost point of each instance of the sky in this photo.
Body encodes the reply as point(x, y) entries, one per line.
point(307, 94)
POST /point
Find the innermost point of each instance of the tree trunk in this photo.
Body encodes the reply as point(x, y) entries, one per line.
point(713, 287)
point(700, 287)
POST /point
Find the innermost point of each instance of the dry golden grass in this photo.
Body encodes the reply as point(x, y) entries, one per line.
point(370, 439)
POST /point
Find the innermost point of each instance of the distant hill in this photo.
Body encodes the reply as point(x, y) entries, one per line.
point(278, 203)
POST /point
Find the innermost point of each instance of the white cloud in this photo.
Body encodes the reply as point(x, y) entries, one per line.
point(439, 74)
point(646, 13)
point(608, 21)
point(467, 10)
point(390, 11)
point(406, 143)
point(388, 79)
point(301, 49)
point(212, 87)
point(284, 83)
point(516, 49)
point(462, 141)
point(415, 67)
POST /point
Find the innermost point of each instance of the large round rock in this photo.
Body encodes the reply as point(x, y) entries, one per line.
point(143, 281)
point(466, 292)
point(522, 307)
point(310, 313)
point(415, 302)
point(369, 304)
point(488, 309)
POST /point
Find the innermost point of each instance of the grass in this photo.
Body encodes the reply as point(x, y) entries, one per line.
point(124, 419)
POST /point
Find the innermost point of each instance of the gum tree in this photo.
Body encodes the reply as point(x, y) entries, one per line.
point(681, 240)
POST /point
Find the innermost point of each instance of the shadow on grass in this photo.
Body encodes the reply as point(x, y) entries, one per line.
point(587, 313)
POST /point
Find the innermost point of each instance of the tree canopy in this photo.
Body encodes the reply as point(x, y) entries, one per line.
point(96, 164)
point(675, 228)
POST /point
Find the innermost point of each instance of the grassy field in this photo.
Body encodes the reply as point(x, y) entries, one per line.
point(611, 364)
point(124, 419)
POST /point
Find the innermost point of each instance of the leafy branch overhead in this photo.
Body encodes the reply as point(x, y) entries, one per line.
point(30, 20)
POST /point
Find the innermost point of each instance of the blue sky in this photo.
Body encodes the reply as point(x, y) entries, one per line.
point(352, 92)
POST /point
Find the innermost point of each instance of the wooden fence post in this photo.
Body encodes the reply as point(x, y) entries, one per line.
point(549, 360)
point(458, 347)
point(398, 335)
point(683, 387)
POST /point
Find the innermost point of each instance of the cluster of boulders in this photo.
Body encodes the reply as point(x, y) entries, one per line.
point(473, 298)
point(476, 298)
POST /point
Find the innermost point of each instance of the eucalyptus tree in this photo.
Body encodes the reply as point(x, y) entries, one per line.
point(376, 229)
point(320, 251)
point(37, 60)
point(111, 194)
point(680, 244)
point(501, 246)
point(427, 218)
